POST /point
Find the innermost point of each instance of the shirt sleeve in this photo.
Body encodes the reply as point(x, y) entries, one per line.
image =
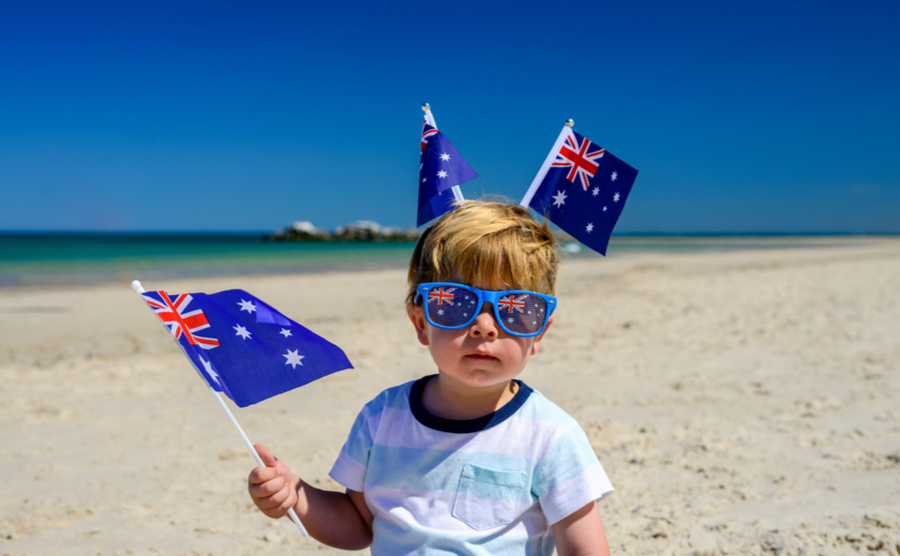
point(350, 467)
point(569, 476)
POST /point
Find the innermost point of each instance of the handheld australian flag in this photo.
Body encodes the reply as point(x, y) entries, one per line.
point(441, 168)
point(243, 347)
point(581, 188)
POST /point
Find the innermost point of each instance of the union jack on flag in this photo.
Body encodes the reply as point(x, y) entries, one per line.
point(259, 352)
point(575, 156)
point(172, 313)
point(427, 131)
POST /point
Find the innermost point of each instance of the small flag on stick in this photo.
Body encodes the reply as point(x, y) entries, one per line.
point(242, 346)
point(581, 188)
point(441, 170)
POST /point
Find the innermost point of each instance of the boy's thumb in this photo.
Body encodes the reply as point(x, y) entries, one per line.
point(266, 456)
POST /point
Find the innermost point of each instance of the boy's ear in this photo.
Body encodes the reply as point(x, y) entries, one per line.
point(417, 316)
point(539, 337)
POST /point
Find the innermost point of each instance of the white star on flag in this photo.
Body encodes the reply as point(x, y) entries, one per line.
point(445, 157)
point(595, 191)
point(559, 199)
point(604, 209)
point(285, 332)
point(442, 174)
point(614, 176)
point(293, 358)
point(247, 306)
point(616, 197)
point(208, 366)
point(242, 332)
point(590, 227)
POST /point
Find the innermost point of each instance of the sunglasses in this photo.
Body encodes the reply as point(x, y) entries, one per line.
point(453, 306)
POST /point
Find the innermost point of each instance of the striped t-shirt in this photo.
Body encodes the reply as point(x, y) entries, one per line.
point(492, 485)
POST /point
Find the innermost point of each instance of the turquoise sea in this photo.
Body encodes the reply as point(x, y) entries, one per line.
point(51, 259)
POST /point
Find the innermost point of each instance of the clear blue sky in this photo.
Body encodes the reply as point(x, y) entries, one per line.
point(751, 116)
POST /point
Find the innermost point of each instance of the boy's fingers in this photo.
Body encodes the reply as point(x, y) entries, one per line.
point(287, 504)
point(265, 455)
point(260, 475)
point(278, 499)
point(282, 468)
point(268, 488)
point(281, 500)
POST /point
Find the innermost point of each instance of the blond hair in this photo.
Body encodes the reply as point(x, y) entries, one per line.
point(490, 244)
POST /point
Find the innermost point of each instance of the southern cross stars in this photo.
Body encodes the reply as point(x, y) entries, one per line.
point(242, 332)
point(595, 191)
point(616, 197)
point(614, 176)
point(589, 228)
point(445, 157)
point(209, 370)
point(559, 199)
point(293, 358)
point(247, 306)
point(442, 174)
point(285, 332)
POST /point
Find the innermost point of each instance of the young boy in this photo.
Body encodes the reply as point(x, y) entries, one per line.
point(470, 460)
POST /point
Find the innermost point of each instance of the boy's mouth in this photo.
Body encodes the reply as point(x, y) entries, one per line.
point(481, 356)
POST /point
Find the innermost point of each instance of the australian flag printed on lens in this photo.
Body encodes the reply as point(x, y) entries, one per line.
point(243, 347)
point(441, 167)
point(584, 191)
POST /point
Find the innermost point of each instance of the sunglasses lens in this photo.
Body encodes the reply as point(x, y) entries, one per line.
point(451, 307)
point(522, 313)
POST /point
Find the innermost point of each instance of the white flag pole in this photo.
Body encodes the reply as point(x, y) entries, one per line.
point(136, 286)
point(429, 118)
point(547, 162)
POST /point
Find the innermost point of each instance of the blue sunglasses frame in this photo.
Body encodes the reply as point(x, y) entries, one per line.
point(484, 296)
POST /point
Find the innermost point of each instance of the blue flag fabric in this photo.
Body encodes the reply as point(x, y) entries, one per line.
point(584, 191)
point(242, 346)
point(440, 169)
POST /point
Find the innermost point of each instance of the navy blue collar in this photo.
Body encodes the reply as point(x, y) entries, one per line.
point(463, 425)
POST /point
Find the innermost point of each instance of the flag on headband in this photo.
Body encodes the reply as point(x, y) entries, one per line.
point(581, 188)
point(441, 167)
point(243, 347)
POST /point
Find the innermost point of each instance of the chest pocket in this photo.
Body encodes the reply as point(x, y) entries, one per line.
point(487, 498)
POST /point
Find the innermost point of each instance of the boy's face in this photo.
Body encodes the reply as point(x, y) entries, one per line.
point(479, 355)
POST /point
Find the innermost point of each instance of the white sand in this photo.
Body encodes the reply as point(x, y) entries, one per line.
point(742, 403)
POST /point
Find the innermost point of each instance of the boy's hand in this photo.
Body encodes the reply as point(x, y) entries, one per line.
point(273, 488)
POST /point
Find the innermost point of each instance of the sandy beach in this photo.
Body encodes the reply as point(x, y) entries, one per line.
point(742, 402)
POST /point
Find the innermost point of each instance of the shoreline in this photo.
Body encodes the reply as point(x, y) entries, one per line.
point(356, 256)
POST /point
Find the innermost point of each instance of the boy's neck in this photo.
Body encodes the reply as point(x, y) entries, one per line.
point(449, 399)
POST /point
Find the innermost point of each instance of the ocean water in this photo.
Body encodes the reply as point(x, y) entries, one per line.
point(52, 259)
point(38, 259)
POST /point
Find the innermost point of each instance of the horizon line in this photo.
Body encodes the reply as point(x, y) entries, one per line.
point(757, 233)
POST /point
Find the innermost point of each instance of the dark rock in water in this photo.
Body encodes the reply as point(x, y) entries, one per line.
point(363, 230)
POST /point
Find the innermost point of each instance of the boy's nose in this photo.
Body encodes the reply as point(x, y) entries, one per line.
point(484, 325)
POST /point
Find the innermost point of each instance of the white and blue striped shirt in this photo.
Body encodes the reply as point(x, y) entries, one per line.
point(492, 485)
